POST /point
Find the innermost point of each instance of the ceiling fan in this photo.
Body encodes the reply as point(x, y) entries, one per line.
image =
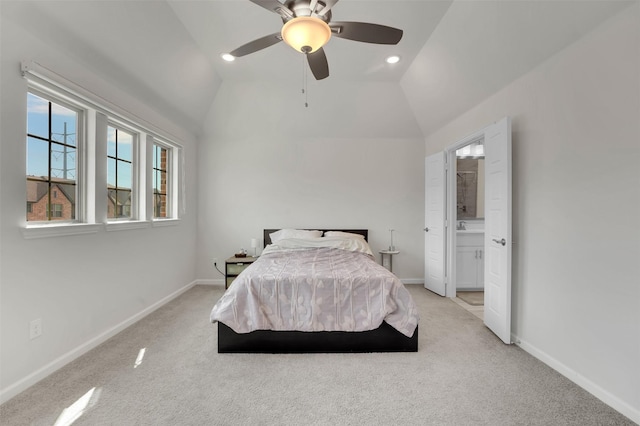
point(307, 27)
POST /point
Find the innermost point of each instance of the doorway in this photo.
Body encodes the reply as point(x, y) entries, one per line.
point(467, 165)
point(441, 223)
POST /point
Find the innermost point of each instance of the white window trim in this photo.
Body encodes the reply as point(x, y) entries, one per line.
point(60, 230)
point(160, 222)
point(137, 194)
point(90, 217)
point(61, 98)
point(126, 225)
point(176, 183)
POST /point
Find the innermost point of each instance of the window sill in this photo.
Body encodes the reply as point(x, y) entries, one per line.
point(44, 231)
point(125, 225)
point(165, 222)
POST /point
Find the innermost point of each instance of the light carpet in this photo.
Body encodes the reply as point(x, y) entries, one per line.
point(461, 375)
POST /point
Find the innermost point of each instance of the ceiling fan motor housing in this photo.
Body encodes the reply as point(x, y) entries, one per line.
point(303, 8)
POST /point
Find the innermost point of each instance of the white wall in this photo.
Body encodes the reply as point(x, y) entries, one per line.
point(576, 191)
point(82, 287)
point(352, 159)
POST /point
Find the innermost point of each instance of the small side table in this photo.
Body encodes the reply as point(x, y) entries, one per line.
point(233, 266)
point(389, 253)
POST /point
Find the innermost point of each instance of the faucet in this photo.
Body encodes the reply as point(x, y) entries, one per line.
point(461, 225)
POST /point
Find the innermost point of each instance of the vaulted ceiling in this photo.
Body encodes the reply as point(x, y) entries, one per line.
point(453, 53)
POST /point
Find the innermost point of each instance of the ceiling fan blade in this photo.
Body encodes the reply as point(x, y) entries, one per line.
point(318, 64)
point(365, 32)
point(258, 44)
point(274, 6)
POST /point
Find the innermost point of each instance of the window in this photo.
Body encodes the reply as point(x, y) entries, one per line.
point(65, 179)
point(52, 145)
point(55, 211)
point(161, 180)
point(120, 173)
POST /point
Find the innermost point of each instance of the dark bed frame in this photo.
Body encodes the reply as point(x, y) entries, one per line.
point(383, 339)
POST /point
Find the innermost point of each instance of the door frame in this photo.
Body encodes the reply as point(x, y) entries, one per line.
point(435, 270)
point(451, 210)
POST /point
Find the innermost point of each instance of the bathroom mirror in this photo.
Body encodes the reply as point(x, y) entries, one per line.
point(470, 182)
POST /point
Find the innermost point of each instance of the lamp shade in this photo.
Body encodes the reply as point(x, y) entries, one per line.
point(306, 34)
point(254, 243)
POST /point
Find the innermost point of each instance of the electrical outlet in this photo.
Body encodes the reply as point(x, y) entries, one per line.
point(35, 328)
point(215, 261)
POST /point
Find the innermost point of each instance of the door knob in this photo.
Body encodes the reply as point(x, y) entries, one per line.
point(426, 229)
point(502, 241)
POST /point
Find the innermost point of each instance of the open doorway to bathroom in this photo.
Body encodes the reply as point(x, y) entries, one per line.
point(493, 257)
point(469, 201)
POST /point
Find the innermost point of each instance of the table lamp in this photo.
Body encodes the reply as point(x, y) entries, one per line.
point(254, 245)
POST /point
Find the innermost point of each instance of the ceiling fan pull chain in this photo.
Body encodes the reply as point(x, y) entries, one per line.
point(304, 81)
point(306, 89)
point(303, 68)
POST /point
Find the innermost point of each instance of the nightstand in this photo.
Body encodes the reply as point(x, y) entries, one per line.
point(233, 266)
point(390, 254)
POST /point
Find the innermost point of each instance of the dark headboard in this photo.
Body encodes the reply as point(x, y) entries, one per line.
point(363, 232)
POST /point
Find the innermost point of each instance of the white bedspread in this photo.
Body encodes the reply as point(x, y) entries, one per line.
point(320, 284)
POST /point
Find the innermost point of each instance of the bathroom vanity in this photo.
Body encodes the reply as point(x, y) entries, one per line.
point(470, 259)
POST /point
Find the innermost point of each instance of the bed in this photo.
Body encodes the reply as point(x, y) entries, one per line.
point(312, 294)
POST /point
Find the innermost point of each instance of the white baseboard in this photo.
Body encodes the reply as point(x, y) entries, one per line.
point(33, 378)
point(614, 402)
point(412, 281)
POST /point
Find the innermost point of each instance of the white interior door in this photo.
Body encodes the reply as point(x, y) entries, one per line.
point(497, 271)
point(434, 240)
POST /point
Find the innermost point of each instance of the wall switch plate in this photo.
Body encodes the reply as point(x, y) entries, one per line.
point(35, 328)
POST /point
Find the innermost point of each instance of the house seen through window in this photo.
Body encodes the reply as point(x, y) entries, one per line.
point(52, 144)
point(161, 172)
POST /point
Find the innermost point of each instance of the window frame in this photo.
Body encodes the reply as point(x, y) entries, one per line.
point(57, 210)
point(136, 193)
point(173, 179)
point(57, 97)
point(91, 160)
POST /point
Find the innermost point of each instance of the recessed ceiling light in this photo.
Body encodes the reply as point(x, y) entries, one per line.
point(228, 57)
point(393, 59)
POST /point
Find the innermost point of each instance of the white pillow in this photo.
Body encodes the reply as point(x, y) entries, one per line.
point(342, 234)
point(293, 233)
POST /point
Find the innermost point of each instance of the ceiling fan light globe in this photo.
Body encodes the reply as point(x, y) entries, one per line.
point(306, 34)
